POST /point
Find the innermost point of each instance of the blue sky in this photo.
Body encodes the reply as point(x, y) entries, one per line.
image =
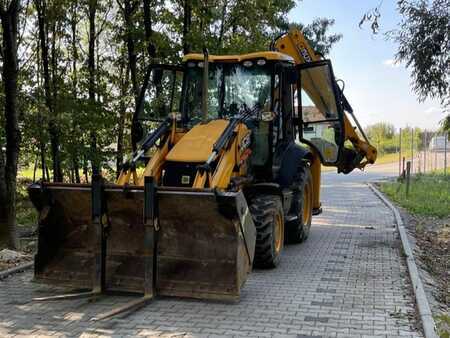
point(378, 89)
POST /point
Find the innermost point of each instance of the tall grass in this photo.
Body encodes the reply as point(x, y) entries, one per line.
point(429, 194)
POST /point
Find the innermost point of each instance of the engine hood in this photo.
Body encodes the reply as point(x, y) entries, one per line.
point(197, 144)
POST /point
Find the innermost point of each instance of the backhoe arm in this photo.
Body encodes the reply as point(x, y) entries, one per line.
point(362, 152)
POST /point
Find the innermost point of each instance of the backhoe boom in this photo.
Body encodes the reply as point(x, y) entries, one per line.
point(295, 45)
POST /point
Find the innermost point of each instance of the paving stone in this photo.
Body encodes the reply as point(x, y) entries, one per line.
point(344, 281)
point(316, 319)
point(322, 290)
point(326, 279)
point(327, 304)
point(333, 270)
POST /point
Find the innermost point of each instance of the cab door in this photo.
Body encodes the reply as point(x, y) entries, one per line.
point(320, 110)
point(160, 95)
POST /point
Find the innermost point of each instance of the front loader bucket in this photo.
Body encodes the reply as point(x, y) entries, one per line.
point(205, 243)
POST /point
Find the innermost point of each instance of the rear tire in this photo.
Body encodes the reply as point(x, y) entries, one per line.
point(297, 230)
point(268, 217)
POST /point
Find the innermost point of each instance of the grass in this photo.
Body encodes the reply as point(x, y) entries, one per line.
point(391, 158)
point(27, 173)
point(382, 159)
point(443, 325)
point(429, 194)
point(441, 171)
point(26, 214)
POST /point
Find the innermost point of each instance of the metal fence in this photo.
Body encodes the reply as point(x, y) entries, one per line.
point(427, 152)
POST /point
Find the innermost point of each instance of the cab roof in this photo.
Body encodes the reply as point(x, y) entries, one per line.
point(276, 56)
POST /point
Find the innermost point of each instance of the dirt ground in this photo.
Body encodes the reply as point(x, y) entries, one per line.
point(10, 258)
point(431, 238)
point(432, 246)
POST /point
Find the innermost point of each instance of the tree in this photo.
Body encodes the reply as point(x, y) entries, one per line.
point(318, 35)
point(9, 13)
point(379, 133)
point(75, 144)
point(423, 39)
point(445, 124)
point(424, 46)
point(225, 27)
point(187, 15)
point(128, 8)
point(49, 82)
point(148, 25)
point(92, 11)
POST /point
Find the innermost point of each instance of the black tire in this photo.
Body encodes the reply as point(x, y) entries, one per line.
point(267, 213)
point(298, 229)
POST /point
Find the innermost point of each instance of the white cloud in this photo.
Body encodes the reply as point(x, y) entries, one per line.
point(391, 63)
point(433, 111)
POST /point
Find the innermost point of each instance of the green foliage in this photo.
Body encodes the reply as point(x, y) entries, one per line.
point(443, 325)
point(386, 138)
point(445, 124)
point(424, 46)
point(429, 194)
point(318, 35)
point(229, 27)
point(222, 26)
point(423, 36)
point(25, 213)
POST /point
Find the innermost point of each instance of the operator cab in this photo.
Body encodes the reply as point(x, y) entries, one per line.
point(236, 84)
point(262, 85)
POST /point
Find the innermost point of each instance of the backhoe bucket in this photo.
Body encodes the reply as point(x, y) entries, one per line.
point(205, 240)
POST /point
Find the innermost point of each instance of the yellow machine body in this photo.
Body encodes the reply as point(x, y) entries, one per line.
point(295, 44)
point(199, 204)
point(206, 236)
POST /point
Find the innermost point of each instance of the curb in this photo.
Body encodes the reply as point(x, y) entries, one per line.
point(429, 327)
point(20, 268)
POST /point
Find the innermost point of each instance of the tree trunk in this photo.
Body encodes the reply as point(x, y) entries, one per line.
point(75, 142)
point(9, 18)
point(148, 28)
point(91, 87)
point(57, 169)
point(129, 7)
point(54, 67)
point(4, 232)
point(40, 118)
point(222, 23)
point(124, 83)
point(52, 127)
point(186, 25)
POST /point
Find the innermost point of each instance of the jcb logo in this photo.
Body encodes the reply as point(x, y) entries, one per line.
point(305, 54)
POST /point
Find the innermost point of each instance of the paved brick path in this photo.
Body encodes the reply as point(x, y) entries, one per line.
point(347, 280)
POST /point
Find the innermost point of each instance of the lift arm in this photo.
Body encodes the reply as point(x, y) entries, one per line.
point(362, 153)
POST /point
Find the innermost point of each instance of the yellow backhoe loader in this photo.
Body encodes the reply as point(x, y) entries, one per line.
point(226, 165)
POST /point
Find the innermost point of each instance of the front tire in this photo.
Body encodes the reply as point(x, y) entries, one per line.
point(268, 217)
point(298, 229)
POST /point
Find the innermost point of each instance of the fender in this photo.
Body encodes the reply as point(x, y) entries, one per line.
point(291, 159)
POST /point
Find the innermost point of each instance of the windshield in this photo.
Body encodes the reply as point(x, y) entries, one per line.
point(231, 87)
